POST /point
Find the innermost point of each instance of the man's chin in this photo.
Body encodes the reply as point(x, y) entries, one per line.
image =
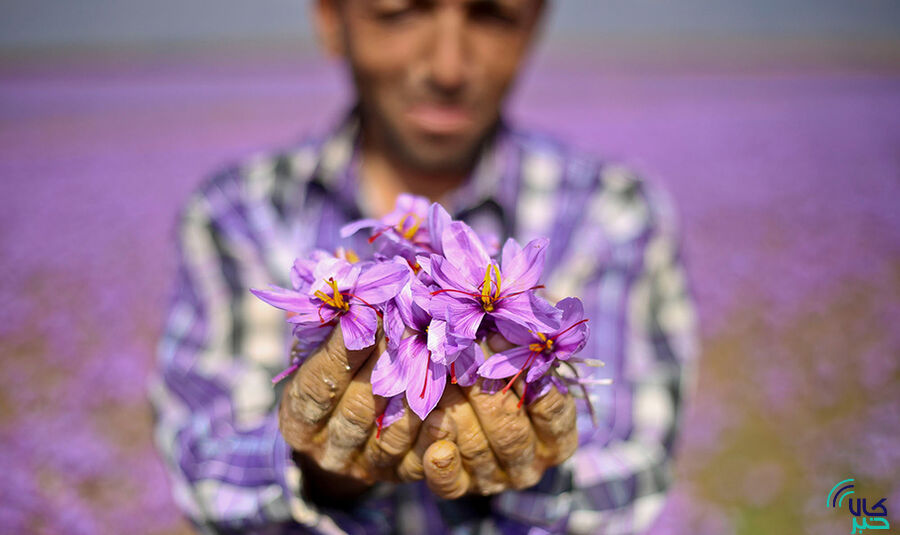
point(440, 155)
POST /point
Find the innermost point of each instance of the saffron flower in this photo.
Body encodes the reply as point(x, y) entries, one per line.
point(472, 285)
point(537, 351)
point(419, 363)
point(341, 292)
point(441, 291)
point(403, 232)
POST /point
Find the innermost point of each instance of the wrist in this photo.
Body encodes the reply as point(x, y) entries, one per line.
point(324, 488)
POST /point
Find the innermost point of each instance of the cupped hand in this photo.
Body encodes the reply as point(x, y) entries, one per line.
point(485, 443)
point(328, 416)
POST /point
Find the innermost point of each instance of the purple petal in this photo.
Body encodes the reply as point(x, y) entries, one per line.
point(408, 204)
point(438, 220)
point(462, 316)
point(539, 388)
point(449, 277)
point(572, 339)
point(505, 364)
point(344, 274)
point(572, 310)
point(547, 315)
point(528, 309)
point(286, 300)
point(437, 341)
point(425, 387)
point(561, 386)
point(464, 249)
point(515, 333)
point(420, 298)
point(467, 363)
point(538, 367)
point(393, 323)
point(352, 228)
point(310, 338)
point(381, 282)
point(421, 294)
point(358, 326)
point(389, 374)
point(511, 249)
point(302, 274)
point(393, 411)
point(522, 269)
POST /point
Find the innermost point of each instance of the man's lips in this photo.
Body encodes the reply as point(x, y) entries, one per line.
point(439, 119)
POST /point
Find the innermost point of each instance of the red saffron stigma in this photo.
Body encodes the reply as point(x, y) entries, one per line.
point(380, 422)
point(470, 294)
point(522, 369)
point(424, 383)
point(453, 373)
point(522, 399)
point(376, 235)
point(569, 328)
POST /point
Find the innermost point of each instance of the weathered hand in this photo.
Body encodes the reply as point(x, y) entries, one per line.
point(327, 415)
point(475, 442)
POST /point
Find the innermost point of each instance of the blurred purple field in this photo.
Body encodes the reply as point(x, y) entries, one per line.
point(788, 184)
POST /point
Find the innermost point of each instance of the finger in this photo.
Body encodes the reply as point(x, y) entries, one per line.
point(385, 452)
point(553, 420)
point(317, 387)
point(352, 421)
point(477, 457)
point(509, 432)
point(444, 471)
point(497, 343)
point(437, 426)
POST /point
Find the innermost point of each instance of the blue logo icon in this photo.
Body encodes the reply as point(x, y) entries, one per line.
point(863, 519)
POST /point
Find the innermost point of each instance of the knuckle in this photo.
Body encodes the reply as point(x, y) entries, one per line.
point(411, 468)
point(392, 445)
point(513, 440)
point(526, 478)
point(334, 355)
point(551, 406)
point(474, 447)
point(556, 416)
point(310, 400)
point(353, 422)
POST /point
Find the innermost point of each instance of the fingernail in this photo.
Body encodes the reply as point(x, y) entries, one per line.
point(442, 462)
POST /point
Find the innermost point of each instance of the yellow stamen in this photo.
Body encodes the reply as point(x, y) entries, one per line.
point(411, 231)
point(497, 272)
point(351, 255)
point(334, 301)
point(489, 292)
point(546, 344)
point(486, 300)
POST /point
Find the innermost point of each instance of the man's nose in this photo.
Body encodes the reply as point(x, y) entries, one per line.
point(448, 62)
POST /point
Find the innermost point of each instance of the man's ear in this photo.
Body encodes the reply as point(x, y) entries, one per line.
point(327, 17)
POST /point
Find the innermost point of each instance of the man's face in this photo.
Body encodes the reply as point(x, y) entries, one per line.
point(431, 75)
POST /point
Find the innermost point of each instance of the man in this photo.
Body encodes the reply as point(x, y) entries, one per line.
point(430, 77)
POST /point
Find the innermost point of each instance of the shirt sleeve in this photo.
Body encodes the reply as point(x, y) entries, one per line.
point(627, 267)
point(216, 409)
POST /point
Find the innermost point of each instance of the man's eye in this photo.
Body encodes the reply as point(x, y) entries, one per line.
point(399, 13)
point(492, 13)
point(394, 15)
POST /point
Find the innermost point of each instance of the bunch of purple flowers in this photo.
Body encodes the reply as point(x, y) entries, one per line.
point(440, 292)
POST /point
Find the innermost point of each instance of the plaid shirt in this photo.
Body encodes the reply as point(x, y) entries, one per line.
point(613, 243)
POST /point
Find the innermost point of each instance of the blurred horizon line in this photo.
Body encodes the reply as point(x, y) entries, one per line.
point(739, 53)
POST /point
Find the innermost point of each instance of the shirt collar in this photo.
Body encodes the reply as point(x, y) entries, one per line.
point(494, 180)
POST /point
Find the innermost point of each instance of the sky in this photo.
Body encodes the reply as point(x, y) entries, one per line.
point(29, 24)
